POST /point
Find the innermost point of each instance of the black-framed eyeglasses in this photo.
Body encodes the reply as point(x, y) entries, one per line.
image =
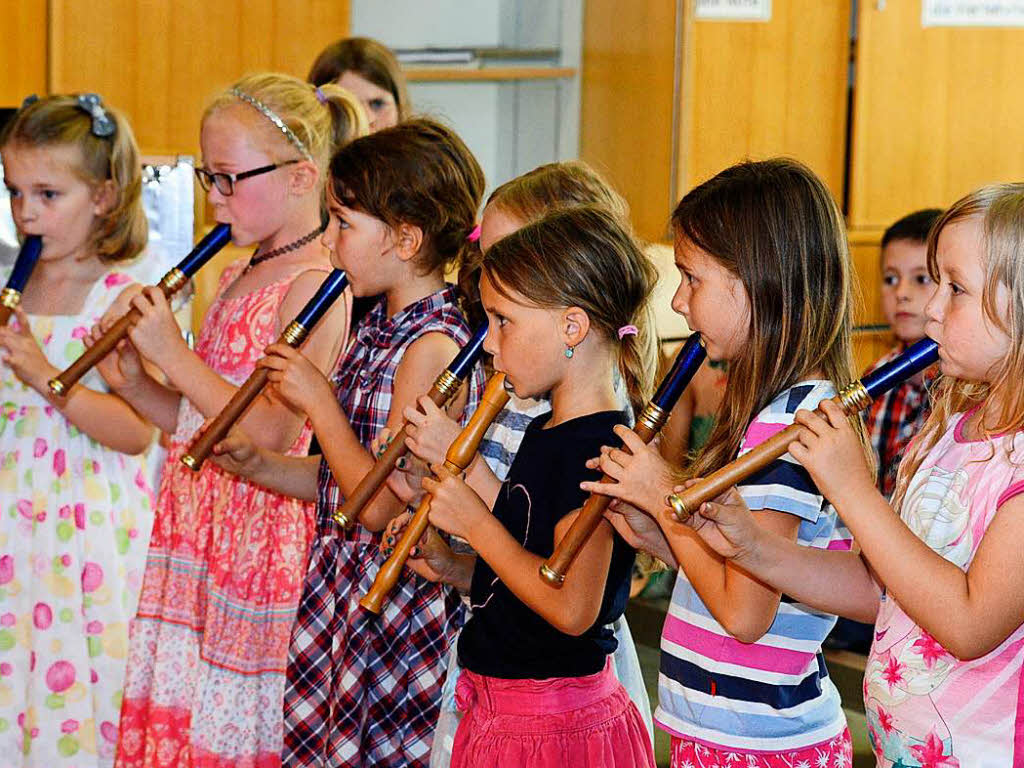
point(225, 182)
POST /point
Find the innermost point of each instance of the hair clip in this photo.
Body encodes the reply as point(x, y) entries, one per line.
point(320, 96)
point(102, 124)
point(474, 234)
point(29, 100)
point(628, 330)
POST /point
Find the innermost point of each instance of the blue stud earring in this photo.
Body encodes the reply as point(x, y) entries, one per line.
point(569, 351)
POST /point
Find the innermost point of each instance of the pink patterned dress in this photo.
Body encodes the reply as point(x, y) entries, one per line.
point(209, 647)
point(74, 526)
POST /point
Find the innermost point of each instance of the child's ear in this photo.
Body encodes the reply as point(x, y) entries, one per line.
point(408, 240)
point(104, 198)
point(303, 177)
point(575, 326)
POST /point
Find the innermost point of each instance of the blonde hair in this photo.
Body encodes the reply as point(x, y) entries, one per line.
point(583, 257)
point(555, 186)
point(774, 225)
point(321, 128)
point(58, 120)
point(999, 208)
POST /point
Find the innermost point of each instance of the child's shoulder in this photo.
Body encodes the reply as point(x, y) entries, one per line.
point(804, 395)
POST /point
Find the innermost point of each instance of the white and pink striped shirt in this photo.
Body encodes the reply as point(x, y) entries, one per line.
point(773, 695)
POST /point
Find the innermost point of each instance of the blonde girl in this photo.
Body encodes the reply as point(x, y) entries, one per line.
point(73, 490)
point(209, 647)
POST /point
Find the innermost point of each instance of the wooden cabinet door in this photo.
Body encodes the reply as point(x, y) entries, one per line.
point(760, 89)
point(23, 52)
point(938, 111)
point(161, 61)
point(628, 86)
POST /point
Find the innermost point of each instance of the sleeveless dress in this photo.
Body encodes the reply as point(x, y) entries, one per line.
point(75, 518)
point(209, 646)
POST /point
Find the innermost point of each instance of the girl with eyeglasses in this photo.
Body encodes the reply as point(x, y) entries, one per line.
point(208, 649)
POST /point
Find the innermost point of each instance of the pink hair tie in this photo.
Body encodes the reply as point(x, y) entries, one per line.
point(474, 234)
point(628, 330)
point(320, 95)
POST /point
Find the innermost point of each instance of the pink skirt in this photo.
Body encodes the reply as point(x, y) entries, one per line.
point(584, 722)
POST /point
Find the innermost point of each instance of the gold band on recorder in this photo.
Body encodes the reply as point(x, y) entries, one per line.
point(9, 299)
point(458, 457)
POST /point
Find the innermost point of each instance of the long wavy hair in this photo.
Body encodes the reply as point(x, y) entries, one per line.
point(1000, 210)
point(774, 225)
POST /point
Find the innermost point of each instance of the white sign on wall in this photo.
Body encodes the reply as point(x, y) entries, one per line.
point(972, 13)
point(735, 10)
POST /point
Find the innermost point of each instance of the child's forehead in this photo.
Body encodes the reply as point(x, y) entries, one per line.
point(236, 131)
point(26, 164)
point(905, 255)
point(494, 293)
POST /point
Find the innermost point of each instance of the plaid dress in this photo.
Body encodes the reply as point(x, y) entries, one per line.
point(894, 418)
point(365, 690)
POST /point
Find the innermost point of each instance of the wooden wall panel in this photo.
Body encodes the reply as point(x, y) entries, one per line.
point(937, 112)
point(769, 88)
point(627, 86)
point(23, 52)
point(872, 337)
point(162, 60)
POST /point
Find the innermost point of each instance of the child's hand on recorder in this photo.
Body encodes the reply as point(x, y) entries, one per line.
point(429, 431)
point(431, 558)
point(642, 477)
point(726, 524)
point(455, 507)
point(236, 453)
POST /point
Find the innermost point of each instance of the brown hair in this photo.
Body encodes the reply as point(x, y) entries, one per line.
point(369, 59)
point(321, 127)
point(58, 120)
point(775, 226)
point(1000, 210)
point(418, 172)
point(582, 256)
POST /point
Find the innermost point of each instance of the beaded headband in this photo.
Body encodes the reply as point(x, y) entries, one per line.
point(268, 113)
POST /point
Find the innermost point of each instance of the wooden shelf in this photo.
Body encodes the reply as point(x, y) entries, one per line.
point(435, 74)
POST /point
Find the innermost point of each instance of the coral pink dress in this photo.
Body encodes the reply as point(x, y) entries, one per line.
point(209, 647)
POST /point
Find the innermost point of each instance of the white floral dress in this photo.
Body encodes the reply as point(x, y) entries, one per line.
point(75, 519)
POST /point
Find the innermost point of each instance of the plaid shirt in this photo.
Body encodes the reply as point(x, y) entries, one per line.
point(894, 418)
point(365, 690)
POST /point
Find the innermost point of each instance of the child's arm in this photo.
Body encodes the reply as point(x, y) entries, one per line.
point(272, 424)
point(127, 375)
point(299, 384)
point(969, 613)
point(743, 605)
point(105, 418)
point(836, 582)
point(574, 608)
point(289, 475)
